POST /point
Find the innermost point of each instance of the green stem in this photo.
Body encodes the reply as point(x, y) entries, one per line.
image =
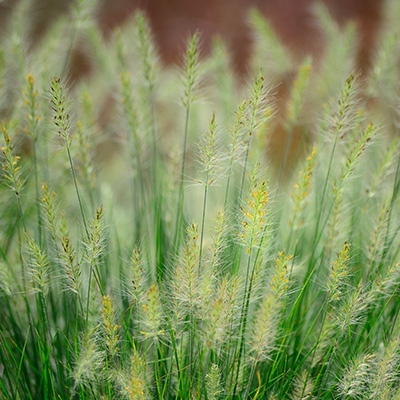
point(157, 199)
point(181, 195)
point(396, 188)
point(227, 188)
point(76, 188)
point(21, 213)
point(245, 308)
point(318, 234)
point(246, 161)
point(37, 194)
point(253, 369)
point(203, 221)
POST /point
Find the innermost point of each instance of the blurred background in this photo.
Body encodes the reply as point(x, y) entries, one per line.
point(294, 23)
point(173, 21)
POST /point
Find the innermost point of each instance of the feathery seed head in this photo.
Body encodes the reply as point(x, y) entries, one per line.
point(39, 268)
point(89, 359)
point(146, 49)
point(357, 377)
point(354, 307)
point(30, 78)
point(191, 69)
point(377, 236)
point(208, 152)
point(95, 242)
point(237, 131)
point(110, 327)
point(257, 104)
point(62, 119)
point(137, 276)
point(11, 170)
point(153, 314)
point(386, 286)
point(218, 312)
point(72, 267)
point(343, 117)
point(384, 168)
point(33, 117)
point(187, 273)
point(213, 383)
point(338, 274)
point(297, 93)
point(50, 212)
point(302, 387)
point(119, 45)
point(136, 387)
point(192, 237)
point(265, 328)
point(6, 284)
point(255, 214)
point(217, 241)
point(303, 186)
point(210, 272)
point(267, 319)
point(280, 280)
point(386, 373)
point(126, 95)
point(356, 152)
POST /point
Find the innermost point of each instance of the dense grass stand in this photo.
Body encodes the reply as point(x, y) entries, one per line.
point(155, 251)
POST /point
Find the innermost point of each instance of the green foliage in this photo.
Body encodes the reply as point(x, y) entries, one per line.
point(153, 252)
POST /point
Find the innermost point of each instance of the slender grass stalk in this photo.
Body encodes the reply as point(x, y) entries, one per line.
point(236, 134)
point(33, 118)
point(95, 248)
point(208, 154)
point(149, 65)
point(63, 125)
point(396, 190)
point(77, 189)
point(256, 107)
point(190, 82)
point(12, 173)
point(253, 227)
point(302, 191)
point(342, 122)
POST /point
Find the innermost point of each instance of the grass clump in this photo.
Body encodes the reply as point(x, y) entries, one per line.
point(161, 255)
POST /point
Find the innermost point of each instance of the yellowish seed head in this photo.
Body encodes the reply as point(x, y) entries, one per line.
point(30, 78)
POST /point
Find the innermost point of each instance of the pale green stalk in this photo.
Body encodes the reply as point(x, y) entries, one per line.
point(190, 82)
point(208, 151)
point(236, 133)
point(341, 123)
point(256, 109)
point(33, 118)
point(63, 125)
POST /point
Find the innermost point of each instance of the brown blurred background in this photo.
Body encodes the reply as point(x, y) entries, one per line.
point(173, 20)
